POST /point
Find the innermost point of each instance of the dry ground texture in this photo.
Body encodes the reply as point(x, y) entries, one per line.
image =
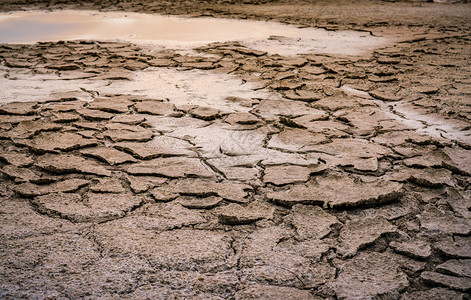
point(327, 193)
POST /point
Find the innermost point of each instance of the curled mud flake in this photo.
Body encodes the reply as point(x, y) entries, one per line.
point(462, 284)
point(16, 159)
point(461, 248)
point(66, 186)
point(108, 155)
point(63, 164)
point(431, 177)
point(94, 115)
point(92, 208)
point(360, 233)
point(456, 267)
point(339, 191)
point(113, 104)
point(157, 108)
point(159, 146)
point(29, 129)
point(267, 292)
point(367, 276)
point(287, 174)
point(55, 141)
point(118, 132)
point(20, 175)
point(173, 167)
point(235, 214)
point(18, 108)
point(444, 221)
point(297, 140)
point(434, 293)
point(414, 249)
point(198, 202)
point(311, 222)
point(107, 185)
point(140, 184)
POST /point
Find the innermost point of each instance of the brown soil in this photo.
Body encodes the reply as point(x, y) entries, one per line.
point(328, 193)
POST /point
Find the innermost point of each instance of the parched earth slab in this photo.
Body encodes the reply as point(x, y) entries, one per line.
point(173, 167)
point(297, 140)
point(431, 177)
point(55, 141)
point(264, 260)
point(68, 185)
point(236, 192)
point(118, 132)
point(180, 249)
point(158, 146)
point(20, 174)
point(338, 191)
point(108, 155)
point(287, 174)
point(369, 275)
point(459, 160)
point(29, 129)
point(458, 249)
point(91, 208)
point(444, 221)
point(359, 233)
point(456, 283)
point(234, 213)
point(456, 267)
point(435, 294)
point(415, 249)
point(18, 108)
point(70, 164)
point(107, 185)
point(311, 221)
point(157, 108)
point(17, 159)
point(114, 104)
point(267, 292)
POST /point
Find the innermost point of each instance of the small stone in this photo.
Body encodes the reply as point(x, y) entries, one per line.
point(456, 283)
point(280, 175)
point(108, 155)
point(455, 267)
point(311, 222)
point(363, 232)
point(18, 108)
point(199, 203)
point(235, 214)
point(70, 164)
point(174, 167)
point(66, 186)
point(414, 249)
point(55, 141)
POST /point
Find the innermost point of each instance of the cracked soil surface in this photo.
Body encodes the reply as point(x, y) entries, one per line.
point(354, 184)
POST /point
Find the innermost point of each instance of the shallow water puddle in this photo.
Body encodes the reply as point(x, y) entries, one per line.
point(180, 33)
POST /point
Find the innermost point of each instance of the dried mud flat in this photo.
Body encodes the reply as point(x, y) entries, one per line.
point(353, 184)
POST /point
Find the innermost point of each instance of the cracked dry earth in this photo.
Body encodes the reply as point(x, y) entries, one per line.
point(353, 184)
